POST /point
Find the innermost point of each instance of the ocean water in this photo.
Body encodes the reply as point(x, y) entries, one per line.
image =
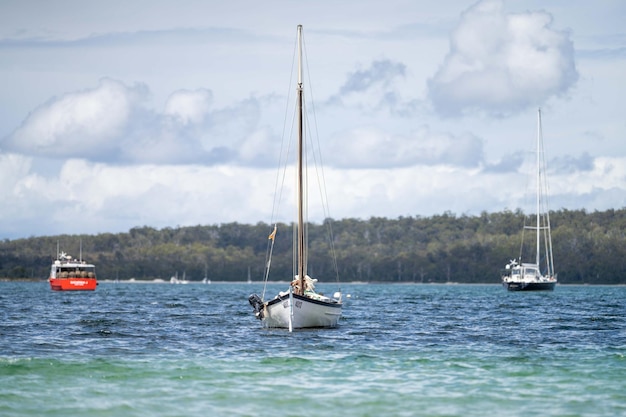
point(400, 350)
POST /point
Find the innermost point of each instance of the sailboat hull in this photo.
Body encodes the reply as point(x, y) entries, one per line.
point(304, 313)
point(529, 286)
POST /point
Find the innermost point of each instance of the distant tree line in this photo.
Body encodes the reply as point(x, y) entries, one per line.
point(589, 248)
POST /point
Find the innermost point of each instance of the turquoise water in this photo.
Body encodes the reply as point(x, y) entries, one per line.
point(401, 350)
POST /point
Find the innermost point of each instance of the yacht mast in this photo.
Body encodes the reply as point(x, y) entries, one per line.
point(538, 182)
point(301, 243)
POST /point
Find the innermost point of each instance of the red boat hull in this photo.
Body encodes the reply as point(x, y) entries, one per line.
point(73, 284)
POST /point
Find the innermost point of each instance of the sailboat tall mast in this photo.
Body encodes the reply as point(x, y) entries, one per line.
point(300, 203)
point(538, 184)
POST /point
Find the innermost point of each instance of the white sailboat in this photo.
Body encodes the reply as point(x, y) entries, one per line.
point(538, 275)
point(300, 306)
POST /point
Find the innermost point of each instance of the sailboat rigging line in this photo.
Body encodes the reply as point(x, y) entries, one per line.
point(278, 193)
point(321, 178)
point(279, 184)
point(546, 209)
point(321, 183)
point(532, 186)
point(283, 163)
point(268, 261)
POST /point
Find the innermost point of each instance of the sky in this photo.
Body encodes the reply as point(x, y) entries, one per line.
point(120, 114)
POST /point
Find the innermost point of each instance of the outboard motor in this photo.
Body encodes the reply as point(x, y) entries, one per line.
point(256, 303)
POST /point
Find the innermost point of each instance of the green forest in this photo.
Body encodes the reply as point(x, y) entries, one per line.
point(589, 248)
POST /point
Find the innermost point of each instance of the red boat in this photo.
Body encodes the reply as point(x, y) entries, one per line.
point(69, 274)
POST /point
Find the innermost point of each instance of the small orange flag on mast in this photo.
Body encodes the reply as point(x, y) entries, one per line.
point(273, 234)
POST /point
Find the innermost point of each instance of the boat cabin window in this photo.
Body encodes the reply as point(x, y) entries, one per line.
point(531, 271)
point(76, 272)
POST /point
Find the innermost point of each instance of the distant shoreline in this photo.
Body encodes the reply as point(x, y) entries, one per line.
point(161, 281)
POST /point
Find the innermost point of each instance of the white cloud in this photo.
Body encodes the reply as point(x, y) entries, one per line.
point(376, 89)
point(111, 123)
point(502, 63)
point(13, 168)
point(606, 173)
point(428, 190)
point(373, 148)
point(90, 197)
point(95, 197)
point(189, 106)
point(380, 72)
point(81, 124)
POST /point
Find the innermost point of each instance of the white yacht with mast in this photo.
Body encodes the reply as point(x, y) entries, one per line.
point(538, 275)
